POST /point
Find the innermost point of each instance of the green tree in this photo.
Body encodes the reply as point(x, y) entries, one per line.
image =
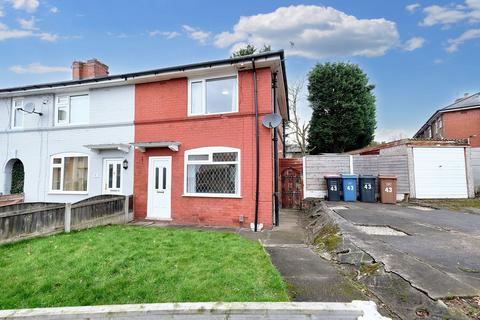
point(343, 104)
point(250, 49)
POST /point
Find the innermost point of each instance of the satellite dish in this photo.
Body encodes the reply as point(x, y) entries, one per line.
point(30, 108)
point(272, 120)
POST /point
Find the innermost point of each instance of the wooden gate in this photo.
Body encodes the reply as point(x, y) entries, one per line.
point(292, 183)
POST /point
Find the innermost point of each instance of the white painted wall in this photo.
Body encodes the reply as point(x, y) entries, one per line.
point(111, 121)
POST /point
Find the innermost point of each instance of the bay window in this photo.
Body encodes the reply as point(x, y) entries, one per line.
point(212, 171)
point(69, 173)
point(212, 96)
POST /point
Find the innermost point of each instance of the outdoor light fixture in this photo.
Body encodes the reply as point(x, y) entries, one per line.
point(125, 164)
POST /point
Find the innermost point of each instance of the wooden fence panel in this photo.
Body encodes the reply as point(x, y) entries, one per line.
point(28, 220)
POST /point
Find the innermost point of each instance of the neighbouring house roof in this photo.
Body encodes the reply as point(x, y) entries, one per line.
point(468, 102)
point(266, 59)
point(412, 143)
point(293, 148)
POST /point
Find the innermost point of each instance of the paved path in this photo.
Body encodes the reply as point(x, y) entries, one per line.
point(440, 254)
point(310, 277)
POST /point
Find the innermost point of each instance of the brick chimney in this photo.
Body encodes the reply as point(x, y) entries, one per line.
point(93, 68)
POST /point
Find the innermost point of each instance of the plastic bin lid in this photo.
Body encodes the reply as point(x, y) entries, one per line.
point(331, 176)
point(367, 176)
point(347, 175)
point(387, 176)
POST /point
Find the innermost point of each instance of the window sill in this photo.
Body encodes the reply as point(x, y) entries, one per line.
point(69, 192)
point(211, 114)
point(211, 195)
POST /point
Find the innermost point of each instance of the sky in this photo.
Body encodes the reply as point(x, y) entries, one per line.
point(420, 55)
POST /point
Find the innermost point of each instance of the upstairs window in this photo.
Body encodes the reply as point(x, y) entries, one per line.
point(17, 113)
point(213, 171)
point(69, 173)
point(72, 109)
point(212, 96)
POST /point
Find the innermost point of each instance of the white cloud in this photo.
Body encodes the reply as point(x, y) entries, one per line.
point(28, 24)
point(197, 34)
point(2, 13)
point(45, 36)
point(412, 7)
point(451, 14)
point(37, 68)
point(165, 34)
point(438, 61)
point(453, 44)
point(6, 34)
point(54, 10)
point(27, 5)
point(414, 44)
point(313, 32)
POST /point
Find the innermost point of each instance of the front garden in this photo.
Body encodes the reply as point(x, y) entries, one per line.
point(130, 264)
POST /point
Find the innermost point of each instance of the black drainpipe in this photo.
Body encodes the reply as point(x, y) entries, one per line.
point(257, 143)
point(275, 155)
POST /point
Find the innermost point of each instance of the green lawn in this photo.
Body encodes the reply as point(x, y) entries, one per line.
point(128, 264)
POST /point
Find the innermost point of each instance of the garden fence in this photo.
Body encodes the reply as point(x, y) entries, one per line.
point(27, 220)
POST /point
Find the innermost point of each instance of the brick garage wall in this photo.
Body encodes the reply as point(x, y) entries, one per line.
point(461, 125)
point(161, 115)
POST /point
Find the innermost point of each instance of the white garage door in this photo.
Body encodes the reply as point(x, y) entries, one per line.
point(440, 173)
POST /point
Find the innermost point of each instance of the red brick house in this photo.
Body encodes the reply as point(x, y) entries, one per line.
point(198, 129)
point(460, 120)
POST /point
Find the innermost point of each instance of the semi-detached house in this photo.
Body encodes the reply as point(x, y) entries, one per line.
point(186, 141)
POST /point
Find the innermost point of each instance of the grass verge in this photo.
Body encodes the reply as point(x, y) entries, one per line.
point(128, 264)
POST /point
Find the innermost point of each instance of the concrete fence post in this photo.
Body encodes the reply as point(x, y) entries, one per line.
point(68, 217)
point(127, 218)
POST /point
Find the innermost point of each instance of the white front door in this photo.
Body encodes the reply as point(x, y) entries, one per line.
point(159, 188)
point(112, 176)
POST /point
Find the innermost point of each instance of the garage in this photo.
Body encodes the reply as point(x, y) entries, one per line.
point(440, 173)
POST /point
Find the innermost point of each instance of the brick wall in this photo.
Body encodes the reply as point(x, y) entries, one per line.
point(161, 115)
point(462, 125)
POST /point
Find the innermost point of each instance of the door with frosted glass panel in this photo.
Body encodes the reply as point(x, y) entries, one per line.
point(112, 176)
point(159, 188)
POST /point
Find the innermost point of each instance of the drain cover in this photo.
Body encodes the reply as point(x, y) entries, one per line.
point(380, 231)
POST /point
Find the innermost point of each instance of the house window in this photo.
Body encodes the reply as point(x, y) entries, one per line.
point(212, 96)
point(213, 171)
point(440, 123)
point(72, 109)
point(17, 113)
point(69, 173)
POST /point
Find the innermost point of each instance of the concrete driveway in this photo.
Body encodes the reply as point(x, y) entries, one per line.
point(437, 251)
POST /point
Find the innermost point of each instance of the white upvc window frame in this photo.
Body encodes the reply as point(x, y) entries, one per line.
point(14, 109)
point(67, 107)
point(210, 151)
point(62, 168)
point(204, 80)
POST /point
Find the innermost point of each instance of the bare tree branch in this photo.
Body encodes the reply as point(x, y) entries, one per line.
point(295, 126)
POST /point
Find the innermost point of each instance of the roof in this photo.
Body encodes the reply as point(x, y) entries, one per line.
point(467, 102)
point(411, 142)
point(156, 72)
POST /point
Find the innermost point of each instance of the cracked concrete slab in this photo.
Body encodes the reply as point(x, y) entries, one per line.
point(439, 242)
